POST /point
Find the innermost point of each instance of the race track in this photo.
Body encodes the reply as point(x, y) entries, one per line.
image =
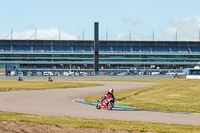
point(60, 102)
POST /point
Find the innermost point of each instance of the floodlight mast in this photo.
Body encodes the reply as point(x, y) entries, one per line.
point(199, 35)
point(106, 35)
point(153, 35)
point(59, 35)
point(35, 34)
point(83, 35)
point(11, 34)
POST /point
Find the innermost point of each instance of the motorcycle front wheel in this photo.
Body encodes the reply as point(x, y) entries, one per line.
point(110, 105)
point(98, 106)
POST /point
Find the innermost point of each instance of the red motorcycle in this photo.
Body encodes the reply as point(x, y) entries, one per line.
point(107, 103)
point(50, 80)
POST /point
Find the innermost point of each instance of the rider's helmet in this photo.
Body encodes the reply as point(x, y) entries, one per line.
point(111, 90)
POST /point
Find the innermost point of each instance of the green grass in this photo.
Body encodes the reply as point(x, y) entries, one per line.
point(10, 85)
point(177, 95)
point(100, 124)
point(169, 94)
point(2, 70)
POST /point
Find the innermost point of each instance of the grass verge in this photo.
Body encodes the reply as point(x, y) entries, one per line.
point(176, 95)
point(100, 124)
point(2, 70)
point(169, 87)
point(10, 85)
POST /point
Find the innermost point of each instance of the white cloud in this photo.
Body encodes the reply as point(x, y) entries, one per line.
point(48, 34)
point(187, 29)
point(121, 36)
point(136, 36)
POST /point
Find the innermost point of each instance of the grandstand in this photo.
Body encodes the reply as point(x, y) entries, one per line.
point(79, 54)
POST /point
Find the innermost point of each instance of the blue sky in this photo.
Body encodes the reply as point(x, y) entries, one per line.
point(118, 17)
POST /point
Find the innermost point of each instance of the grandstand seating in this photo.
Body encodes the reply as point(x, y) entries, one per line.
point(159, 48)
point(103, 48)
point(21, 47)
point(57, 48)
point(113, 54)
point(6, 48)
point(194, 48)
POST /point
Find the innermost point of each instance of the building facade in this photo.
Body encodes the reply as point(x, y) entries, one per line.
point(79, 54)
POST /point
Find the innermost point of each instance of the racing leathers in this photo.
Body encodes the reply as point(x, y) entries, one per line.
point(108, 94)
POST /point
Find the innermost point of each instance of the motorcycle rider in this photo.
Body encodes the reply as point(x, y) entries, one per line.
point(108, 94)
point(50, 79)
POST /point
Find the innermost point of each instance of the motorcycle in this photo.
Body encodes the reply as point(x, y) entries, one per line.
point(50, 80)
point(107, 103)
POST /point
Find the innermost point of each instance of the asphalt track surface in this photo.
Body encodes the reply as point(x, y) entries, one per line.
point(60, 102)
